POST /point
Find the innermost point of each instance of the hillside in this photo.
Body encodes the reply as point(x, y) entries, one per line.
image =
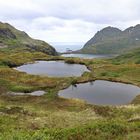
point(12, 38)
point(112, 40)
point(49, 117)
point(132, 56)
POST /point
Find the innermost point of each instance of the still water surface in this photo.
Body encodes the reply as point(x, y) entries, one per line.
point(89, 56)
point(102, 92)
point(53, 69)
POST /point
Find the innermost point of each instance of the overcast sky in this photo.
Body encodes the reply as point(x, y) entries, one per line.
point(68, 20)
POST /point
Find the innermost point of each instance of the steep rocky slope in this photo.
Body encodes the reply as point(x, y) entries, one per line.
point(112, 40)
point(12, 38)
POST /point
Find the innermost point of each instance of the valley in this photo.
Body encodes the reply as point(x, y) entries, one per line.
point(30, 105)
point(51, 117)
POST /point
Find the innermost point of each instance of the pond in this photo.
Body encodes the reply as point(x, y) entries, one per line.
point(102, 92)
point(34, 93)
point(89, 56)
point(53, 69)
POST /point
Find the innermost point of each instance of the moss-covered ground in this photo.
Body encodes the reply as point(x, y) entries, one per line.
point(49, 117)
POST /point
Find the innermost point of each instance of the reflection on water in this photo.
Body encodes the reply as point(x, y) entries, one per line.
point(53, 68)
point(102, 92)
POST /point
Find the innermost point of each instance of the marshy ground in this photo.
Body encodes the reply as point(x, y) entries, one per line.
point(49, 117)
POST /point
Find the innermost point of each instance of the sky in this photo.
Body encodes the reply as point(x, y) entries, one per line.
point(68, 20)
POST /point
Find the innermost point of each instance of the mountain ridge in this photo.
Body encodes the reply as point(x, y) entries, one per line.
point(113, 40)
point(13, 38)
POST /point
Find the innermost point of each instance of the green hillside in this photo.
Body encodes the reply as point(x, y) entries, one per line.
point(111, 40)
point(12, 38)
point(132, 56)
point(51, 117)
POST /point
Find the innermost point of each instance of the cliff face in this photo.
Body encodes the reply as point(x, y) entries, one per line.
point(112, 40)
point(12, 38)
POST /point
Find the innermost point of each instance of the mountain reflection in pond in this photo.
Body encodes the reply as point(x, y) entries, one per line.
point(102, 92)
point(53, 69)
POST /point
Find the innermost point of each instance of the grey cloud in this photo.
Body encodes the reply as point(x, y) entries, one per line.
point(19, 14)
point(69, 19)
point(96, 11)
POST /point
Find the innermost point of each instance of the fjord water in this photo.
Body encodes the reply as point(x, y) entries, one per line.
point(63, 46)
point(102, 92)
point(88, 56)
point(53, 69)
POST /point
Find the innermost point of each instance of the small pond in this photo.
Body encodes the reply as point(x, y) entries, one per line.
point(34, 93)
point(102, 92)
point(53, 69)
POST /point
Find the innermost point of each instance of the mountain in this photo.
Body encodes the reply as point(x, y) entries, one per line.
point(12, 38)
point(112, 40)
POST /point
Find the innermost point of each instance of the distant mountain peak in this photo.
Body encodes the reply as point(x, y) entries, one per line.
point(108, 32)
point(137, 26)
point(108, 28)
point(113, 40)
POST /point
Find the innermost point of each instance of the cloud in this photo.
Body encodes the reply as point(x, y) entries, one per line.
point(68, 20)
point(18, 9)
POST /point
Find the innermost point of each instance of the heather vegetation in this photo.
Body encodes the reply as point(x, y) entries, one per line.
point(50, 117)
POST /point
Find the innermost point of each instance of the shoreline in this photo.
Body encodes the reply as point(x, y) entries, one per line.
point(79, 79)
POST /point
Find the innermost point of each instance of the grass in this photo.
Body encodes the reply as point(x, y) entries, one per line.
point(83, 124)
point(49, 117)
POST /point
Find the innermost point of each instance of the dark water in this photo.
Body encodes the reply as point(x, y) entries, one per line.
point(53, 68)
point(88, 56)
point(102, 92)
